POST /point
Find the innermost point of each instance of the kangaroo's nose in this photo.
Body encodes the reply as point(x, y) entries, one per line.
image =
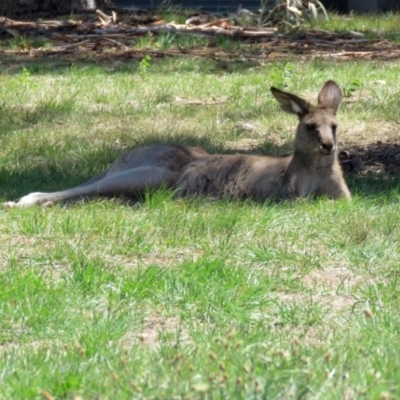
point(326, 148)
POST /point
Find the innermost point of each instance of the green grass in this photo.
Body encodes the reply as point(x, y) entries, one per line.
point(192, 299)
point(25, 42)
point(385, 25)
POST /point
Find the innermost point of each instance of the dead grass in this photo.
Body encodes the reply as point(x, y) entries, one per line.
point(15, 346)
point(162, 258)
point(334, 304)
point(365, 132)
point(314, 336)
point(155, 328)
point(332, 279)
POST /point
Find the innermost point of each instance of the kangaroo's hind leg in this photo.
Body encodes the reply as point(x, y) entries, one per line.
point(128, 183)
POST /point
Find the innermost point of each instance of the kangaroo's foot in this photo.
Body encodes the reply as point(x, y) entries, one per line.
point(31, 199)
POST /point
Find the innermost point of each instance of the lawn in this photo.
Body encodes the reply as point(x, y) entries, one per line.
point(193, 299)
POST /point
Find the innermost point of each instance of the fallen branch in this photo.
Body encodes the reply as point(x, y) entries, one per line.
point(118, 44)
point(9, 23)
point(107, 19)
point(93, 36)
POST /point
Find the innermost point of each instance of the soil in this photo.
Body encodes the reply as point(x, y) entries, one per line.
point(374, 159)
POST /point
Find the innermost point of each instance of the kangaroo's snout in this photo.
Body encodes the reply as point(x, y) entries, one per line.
point(326, 148)
point(327, 138)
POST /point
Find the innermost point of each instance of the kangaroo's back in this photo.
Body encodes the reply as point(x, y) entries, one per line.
point(171, 156)
point(234, 176)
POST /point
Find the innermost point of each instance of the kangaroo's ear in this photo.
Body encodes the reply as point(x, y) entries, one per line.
point(291, 103)
point(330, 96)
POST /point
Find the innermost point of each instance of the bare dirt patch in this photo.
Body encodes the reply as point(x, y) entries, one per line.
point(315, 336)
point(162, 258)
point(330, 291)
point(332, 280)
point(15, 346)
point(336, 304)
point(157, 328)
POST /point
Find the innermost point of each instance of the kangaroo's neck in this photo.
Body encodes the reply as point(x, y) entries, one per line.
point(301, 158)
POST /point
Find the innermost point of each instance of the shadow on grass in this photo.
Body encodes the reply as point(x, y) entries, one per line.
point(129, 64)
point(387, 187)
point(373, 169)
point(57, 172)
point(60, 173)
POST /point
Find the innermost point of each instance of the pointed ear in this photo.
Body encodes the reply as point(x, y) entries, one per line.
point(330, 96)
point(291, 103)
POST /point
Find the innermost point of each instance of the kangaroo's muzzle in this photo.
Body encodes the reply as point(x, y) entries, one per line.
point(326, 148)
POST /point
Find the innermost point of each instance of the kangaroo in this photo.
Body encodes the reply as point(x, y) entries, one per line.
point(312, 170)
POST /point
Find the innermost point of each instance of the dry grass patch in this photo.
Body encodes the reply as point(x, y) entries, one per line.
point(156, 329)
point(314, 336)
point(365, 132)
point(332, 279)
point(15, 346)
point(162, 258)
point(334, 304)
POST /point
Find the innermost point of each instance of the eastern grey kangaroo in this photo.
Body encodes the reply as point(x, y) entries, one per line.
point(312, 170)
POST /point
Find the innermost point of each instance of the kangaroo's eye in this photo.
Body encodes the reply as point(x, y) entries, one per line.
point(333, 127)
point(312, 127)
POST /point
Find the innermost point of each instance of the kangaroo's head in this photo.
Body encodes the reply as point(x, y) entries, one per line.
point(316, 132)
